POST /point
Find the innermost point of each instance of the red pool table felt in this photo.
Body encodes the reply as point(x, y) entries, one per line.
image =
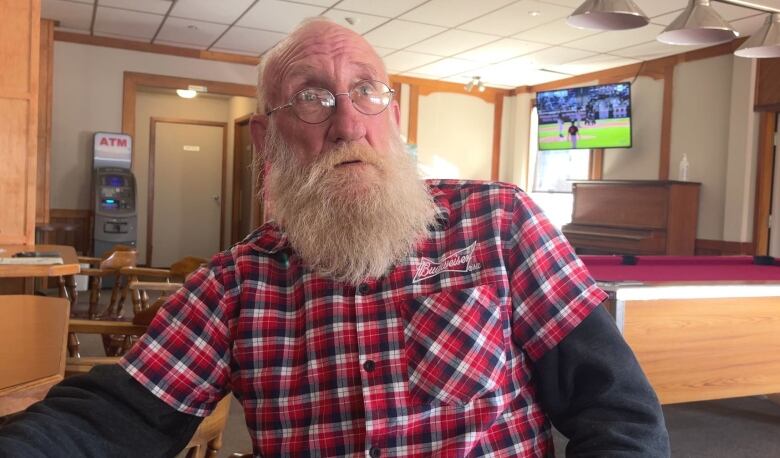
point(680, 269)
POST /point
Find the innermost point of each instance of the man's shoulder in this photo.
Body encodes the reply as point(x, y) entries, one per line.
point(266, 239)
point(467, 187)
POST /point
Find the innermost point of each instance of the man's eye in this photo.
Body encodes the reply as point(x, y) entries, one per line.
point(308, 96)
point(364, 89)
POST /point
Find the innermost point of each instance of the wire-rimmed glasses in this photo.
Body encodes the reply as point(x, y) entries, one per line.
point(314, 105)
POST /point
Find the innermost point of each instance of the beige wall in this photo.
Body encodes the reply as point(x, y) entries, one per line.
point(641, 161)
point(88, 98)
point(700, 129)
point(156, 104)
point(455, 136)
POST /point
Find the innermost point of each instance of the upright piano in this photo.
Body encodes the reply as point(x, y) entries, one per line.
point(641, 217)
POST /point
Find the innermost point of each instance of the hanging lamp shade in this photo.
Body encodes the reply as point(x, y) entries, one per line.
point(608, 15)
point(765, 42)
point(698, 24)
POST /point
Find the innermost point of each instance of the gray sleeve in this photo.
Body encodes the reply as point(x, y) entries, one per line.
point(595, 393)
point(102, 413)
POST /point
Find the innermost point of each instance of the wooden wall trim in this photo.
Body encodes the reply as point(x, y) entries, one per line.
point(119, 43)
point(498, 114)
point(426, 87)
point(71, 227)
point(666, 125)
point(414, 106)
point(596, 164)
point(45, 96)
point(767, 97)
point(764, 172)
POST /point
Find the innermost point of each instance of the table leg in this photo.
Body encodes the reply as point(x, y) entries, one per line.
point(70, 288)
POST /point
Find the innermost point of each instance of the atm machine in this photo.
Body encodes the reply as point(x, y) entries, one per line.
point(114, 193)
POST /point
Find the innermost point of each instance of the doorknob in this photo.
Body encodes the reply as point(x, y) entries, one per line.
point(216, 198)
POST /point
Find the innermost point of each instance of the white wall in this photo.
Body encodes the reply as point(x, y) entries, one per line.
point(455, 136)
point(88, 98)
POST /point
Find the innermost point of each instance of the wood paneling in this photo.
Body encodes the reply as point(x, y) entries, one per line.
point(722, 248)
point(700, 349)
point(68, 227)
point(596, 164)
point(414, 109)
point(19, 51)
point(666, 125)
point(45, 86)
point(768, 85)
point(155, 48)
point(764, 169)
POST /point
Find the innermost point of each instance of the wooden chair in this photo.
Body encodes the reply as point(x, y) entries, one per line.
point(108, 266)
point(207, 439)
point(33, 335)
point(143, 280)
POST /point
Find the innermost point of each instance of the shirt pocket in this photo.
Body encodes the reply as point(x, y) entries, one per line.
point(454, 345)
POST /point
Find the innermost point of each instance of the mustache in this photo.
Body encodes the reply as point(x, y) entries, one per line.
point(326, 162)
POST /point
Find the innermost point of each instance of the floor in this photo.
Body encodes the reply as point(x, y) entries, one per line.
point(733, 428)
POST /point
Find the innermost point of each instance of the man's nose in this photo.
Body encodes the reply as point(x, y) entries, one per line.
point(346, 123)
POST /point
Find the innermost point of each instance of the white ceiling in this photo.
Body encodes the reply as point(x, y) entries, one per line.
point(508, 43)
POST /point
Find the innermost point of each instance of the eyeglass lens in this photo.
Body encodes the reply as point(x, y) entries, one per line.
point(315, 105)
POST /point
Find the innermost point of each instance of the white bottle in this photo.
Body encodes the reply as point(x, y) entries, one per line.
point(683, 171)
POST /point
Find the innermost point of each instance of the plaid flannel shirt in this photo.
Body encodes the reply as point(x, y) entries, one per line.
point(433, 359)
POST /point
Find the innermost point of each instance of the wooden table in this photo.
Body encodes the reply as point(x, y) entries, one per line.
point(64, 272)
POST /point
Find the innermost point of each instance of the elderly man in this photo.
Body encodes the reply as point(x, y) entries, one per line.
point(381, 315)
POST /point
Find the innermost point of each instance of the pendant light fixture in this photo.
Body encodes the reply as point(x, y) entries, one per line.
point(608, 15)
point(765, 42)
point(698, 24)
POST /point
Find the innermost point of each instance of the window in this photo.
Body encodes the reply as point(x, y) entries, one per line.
point(551, 173)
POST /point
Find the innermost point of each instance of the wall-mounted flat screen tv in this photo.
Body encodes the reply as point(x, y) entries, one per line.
point(585, 117)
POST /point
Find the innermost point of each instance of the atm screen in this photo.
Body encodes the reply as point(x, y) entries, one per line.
point(111, 204)
point(114, 180)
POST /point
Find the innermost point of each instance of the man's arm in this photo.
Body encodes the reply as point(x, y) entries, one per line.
point(103, 413)
point(595, 393)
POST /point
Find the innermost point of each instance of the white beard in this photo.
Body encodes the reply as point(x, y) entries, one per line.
point(342, 227)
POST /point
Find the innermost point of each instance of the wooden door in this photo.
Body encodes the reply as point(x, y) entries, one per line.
point(186, 176)
point(247, 207)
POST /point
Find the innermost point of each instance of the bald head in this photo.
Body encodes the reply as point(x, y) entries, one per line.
point(314, 37)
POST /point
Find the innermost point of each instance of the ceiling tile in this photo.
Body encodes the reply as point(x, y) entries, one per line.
point(513, 74)
point(750, 25)
point(608, 41)
point(145, 6)
point(399, 34)
point(190, 32)
point(326, 3)
point(177, 44)
point(653, 50)
point(226, 13)
point(654, 8)
point(517, 17)
point(402, 61)
point(234, 51)
point(567, 3)
point(380, 7)
point(278, 16)
point(554, 33)
point(503, 49)
point(126, 23)
point(553, 56)
point(248, 40)
point(666, 19)
point(122, 36)
point(731, 12)
point(449, 13)
point(452, 42)
point(74, 16)
point(592, 64)
point(362, 22)
point(383, 51)
point(446, 67)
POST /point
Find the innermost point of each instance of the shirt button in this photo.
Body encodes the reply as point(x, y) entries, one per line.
point(369, 365)
point(363, 288)
point(374, 452)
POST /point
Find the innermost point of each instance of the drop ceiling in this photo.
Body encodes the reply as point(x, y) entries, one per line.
point(508, 43)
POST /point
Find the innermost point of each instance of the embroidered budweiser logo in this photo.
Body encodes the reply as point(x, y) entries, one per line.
point(457, 261)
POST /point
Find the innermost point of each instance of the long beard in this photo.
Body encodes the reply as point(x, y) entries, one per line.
point(348, 228)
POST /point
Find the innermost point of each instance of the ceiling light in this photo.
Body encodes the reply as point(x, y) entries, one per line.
point(699, 24)
point(608, 15)
point(765, 42)
point(475, 81)
point(186, 93)
point(534, 13)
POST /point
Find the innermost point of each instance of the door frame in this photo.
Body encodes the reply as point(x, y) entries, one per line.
point(257, 216)
point(150, 180)
point(764, 170)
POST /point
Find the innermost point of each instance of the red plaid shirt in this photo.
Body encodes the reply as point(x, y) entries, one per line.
point(432, 359)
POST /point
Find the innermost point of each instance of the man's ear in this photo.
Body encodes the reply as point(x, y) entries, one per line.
point(395, 113)
point(258, 125)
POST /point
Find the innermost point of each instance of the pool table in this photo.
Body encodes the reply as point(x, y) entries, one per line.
point(702, 327)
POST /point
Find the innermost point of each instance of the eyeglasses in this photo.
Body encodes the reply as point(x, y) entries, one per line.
point(314, 105)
